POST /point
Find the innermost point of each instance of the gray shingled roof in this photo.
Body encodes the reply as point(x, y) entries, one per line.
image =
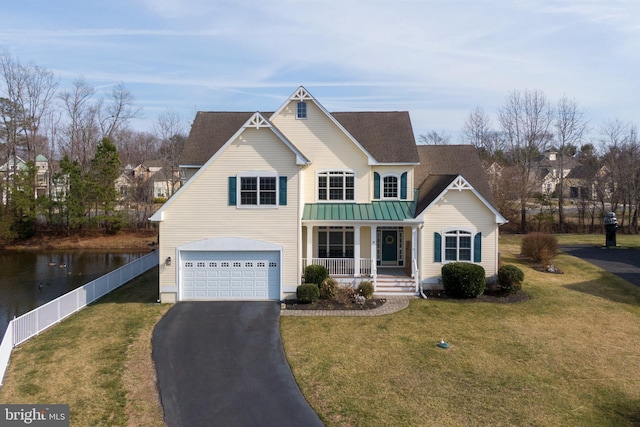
point(209, 132)
point(387, 136)
point(440, 164)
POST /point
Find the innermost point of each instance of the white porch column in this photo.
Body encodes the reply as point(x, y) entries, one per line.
point(414, 249)
point(356, 251)
point(374, 254)
point(309, 243)
point(414, 255)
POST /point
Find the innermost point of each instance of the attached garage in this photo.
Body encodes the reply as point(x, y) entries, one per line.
point(229, 269)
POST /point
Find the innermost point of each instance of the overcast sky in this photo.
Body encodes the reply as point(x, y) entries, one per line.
point(437, 59)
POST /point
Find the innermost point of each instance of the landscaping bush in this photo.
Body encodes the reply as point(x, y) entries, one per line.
point(463, 279)
point(315, 273)
point(365, 289)
point(329, 289)
point(510, 279)
point(307, 292)
point(540, 247)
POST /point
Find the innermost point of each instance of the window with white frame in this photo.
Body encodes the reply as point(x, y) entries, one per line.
point(457, 245)
point(258, 191)
point(336, 186)
point(301, 110)
point(390, 187)
point(335, 242)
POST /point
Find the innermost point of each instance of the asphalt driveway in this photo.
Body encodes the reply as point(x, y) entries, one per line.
point(223, 364)
point(623, 262)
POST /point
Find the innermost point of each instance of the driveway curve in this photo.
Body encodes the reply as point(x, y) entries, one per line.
point(223, 364)
point(623, 262)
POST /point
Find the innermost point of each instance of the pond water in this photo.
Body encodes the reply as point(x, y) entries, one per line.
point(30, 279)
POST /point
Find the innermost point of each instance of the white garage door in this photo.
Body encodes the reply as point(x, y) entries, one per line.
point(241, 275)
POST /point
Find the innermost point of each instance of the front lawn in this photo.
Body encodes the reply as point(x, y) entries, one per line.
point(568, 356)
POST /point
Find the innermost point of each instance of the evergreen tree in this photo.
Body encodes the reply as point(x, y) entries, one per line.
point(105, 167)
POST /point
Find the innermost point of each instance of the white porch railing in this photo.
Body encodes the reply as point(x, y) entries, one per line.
point(32, 323)
point(340, 266)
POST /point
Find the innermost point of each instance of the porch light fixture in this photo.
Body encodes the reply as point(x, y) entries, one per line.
point(168, 261)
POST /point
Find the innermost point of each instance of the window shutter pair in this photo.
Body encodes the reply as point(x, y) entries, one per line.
point(376, 186)
point(437, 247)
point(233, 190)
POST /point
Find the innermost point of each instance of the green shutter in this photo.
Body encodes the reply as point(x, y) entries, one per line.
point(376, 185)
point(403, 186)
point(477, 247)
point(437, 247)
point(232, 191)
point(283, 191)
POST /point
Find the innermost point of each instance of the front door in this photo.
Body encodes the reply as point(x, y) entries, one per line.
point(389, 247)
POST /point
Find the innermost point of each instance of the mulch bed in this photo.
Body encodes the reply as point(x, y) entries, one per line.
point(323, 304)
point(487, 296)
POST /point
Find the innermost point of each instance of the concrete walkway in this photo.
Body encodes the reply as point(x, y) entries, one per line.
point(393, 304)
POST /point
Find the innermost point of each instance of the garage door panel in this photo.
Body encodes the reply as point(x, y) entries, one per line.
point(230, 275)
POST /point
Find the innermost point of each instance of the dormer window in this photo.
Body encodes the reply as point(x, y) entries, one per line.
point(301, 112)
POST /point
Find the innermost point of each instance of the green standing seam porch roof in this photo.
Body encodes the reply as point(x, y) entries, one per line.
point(375, 211)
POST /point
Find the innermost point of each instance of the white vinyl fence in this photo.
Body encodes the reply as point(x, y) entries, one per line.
point(32, 323)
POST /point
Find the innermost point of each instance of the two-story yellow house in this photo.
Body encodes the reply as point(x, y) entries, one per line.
point(270, 193)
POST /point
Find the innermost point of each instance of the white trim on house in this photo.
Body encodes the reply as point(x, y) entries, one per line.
point(256, 121)
point(301, 94)
point(328, 171)
point(459, 184)
point(398, 178)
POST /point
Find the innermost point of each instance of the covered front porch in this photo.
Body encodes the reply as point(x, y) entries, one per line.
point(385, 254)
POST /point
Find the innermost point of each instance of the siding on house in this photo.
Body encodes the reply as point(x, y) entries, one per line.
point(202, 209)
point(458, 209)
point(328, 148)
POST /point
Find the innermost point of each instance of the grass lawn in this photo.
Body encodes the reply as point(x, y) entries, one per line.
point(98, 361)
point(568, 356)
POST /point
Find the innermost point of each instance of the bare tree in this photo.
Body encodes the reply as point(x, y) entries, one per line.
point(81, 130)
point(570, 128)
point(116, 113)
point(434, 138)
point(170, 129)
point(136, 147)
point(525, 119)
point(621, 157)
point(477, 130)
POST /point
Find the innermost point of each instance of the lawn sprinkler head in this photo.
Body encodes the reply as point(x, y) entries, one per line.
point(443, 344)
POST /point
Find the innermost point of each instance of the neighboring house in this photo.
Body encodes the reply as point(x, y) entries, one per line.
point(270, 193)
point(42, 174)
point(551, 166)
point(146, 181)
point(584, 182)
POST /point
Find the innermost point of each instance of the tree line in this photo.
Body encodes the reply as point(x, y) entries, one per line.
point(87, 138)
point(529, 124)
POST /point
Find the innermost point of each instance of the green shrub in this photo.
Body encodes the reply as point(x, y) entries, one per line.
point(365, 289)
point(540, 247)
point(307, 292)
point(329, 289)
point(510, 278)
point(463, 279)
point(315, 273)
